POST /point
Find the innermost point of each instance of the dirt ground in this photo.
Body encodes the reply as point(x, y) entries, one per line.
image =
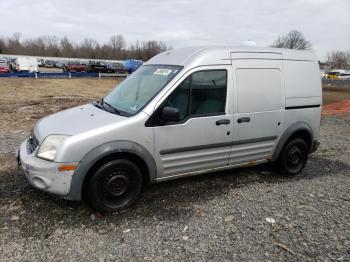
point(250, 214)
point(333, 93)
point(29, 99)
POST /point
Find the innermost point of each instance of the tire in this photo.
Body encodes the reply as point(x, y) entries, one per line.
point(293, 157)
point(115, 186)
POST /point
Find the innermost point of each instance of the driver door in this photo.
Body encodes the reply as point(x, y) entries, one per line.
point(202, 139)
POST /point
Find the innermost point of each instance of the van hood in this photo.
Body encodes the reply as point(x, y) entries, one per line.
point(74, 120)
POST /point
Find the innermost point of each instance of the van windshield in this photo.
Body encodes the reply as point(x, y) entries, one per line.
point(131, 95)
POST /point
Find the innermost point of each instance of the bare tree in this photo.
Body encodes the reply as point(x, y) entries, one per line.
point(14, 44)
point(117, 43)
point(105, 51)
point(2, 45)
point(88, 48)
point(338, 59)
point(348, 58)
point(67, 48)
point(292, 40)
point(35, 46)
point(52, 45)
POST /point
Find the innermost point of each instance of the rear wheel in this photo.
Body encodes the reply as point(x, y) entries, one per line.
point(294, 156)
point(115, 186)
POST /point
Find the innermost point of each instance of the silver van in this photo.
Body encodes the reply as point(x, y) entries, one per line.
point(184, 112)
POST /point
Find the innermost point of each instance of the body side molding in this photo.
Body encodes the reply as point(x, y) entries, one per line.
point(301, 107)
point(240, 142)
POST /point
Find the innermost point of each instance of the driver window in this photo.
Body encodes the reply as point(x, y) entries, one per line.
point(202, 93)
point(180, 98)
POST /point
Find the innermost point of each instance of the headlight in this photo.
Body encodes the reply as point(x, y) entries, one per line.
point(50, 146)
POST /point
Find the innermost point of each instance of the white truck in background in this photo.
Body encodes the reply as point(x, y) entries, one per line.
point(26, 64)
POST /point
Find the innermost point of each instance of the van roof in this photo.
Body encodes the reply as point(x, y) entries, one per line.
point(221, 55)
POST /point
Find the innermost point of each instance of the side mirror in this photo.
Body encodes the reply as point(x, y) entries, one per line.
point(171, 114)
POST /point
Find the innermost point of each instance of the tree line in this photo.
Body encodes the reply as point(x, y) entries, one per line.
point(339, 59)
point(116, 48)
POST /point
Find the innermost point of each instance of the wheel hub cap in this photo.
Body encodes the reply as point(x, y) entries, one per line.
point(116, 184)
point(294, 156)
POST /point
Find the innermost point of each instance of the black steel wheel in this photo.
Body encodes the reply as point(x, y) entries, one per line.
point(293, 157)
point(115, 186)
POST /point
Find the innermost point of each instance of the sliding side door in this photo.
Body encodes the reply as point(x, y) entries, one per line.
point(258, 106)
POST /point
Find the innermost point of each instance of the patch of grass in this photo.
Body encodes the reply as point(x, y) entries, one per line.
point(24, 100)
point(334, 93)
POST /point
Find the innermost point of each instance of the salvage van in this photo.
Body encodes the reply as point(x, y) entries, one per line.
point(184, 112)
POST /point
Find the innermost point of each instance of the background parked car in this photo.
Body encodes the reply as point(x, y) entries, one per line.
point(11, 64)
point(59, 64)
point(132, 65)
point(117, 68)
point(97, 67)
point(41, 62)
point(333, 74)
point(4, 67)
point(345, 76)
point(74, 67)
point(49, 63)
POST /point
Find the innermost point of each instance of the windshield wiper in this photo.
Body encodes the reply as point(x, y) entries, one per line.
point(98, 104)
point(116, 111)
point(101, 104)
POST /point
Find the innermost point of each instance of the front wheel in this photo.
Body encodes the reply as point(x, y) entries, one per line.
point(293, 158)
point(115, 186)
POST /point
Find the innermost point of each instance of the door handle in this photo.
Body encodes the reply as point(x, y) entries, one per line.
point(222, 122)
point(243, 120)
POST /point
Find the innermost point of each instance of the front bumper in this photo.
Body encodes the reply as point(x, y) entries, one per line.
point(43, 174)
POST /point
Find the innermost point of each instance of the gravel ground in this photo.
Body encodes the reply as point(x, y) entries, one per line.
point(248, 214)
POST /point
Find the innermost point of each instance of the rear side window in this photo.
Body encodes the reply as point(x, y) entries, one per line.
point(202, 93)
point(258, 89)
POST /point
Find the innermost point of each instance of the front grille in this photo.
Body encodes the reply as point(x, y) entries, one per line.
point(32, 143)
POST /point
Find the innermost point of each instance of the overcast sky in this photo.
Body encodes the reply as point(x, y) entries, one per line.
point(180, 23)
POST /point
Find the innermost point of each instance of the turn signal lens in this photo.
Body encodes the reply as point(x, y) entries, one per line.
point(67, 168)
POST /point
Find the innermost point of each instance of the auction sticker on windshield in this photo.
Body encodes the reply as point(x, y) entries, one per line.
point(162, 71)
